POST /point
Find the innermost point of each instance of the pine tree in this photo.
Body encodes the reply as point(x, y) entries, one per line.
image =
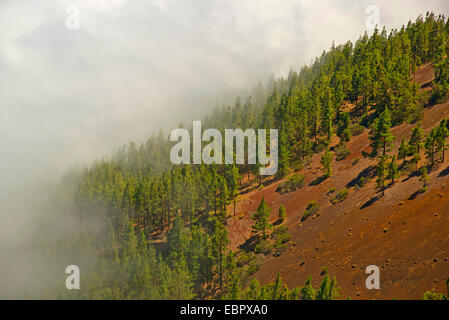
point(424, 177)
point(223, 197)
point(328, 289)
point(181, 284)
point(354, 93)
point(430, 145)
point(416, 139)
point(326, 161)
point(279, 289)
point(441, 136)
point(284, 156)
point(234, 291)
point(130, 242)
point(393, 172)
point(403, 151)
point(338, 94)
point(253, 290)
point(129, 196)
point(261, 217)
point(344, 131)
point(308, 292)
point(382, 138)
point(282, 213)
point(232, 177)
point(176, 237)
point(142, 246)
point(382, 174)
point(219, 241)
point(365, 84)
point(327, 111)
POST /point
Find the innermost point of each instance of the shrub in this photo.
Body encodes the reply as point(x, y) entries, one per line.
point(331, 190)
point(342, 153)
point(409, 167)
point(417, 114)
point(280, 235)
point(311, 209)
point(361, 182)
point(245, 258)
point(293, 183)
point(298, 166)
point(279, 250)
point(440, 93)
point(433, 295)
point(264, 246)
point(340, 196)
point(355, 161)
point(357, 129)
point(253, 267)
point(319, 146)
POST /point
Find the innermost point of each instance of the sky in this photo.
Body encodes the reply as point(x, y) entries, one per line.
point(71, 95)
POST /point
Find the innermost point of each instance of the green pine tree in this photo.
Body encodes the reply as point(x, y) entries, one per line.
point(261, 217)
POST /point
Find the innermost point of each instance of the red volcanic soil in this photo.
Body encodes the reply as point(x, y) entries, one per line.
point(405, 233)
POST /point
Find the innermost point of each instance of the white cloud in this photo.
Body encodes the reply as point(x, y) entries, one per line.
point(136, 66)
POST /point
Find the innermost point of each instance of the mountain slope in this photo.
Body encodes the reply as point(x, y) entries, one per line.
point(404, 233)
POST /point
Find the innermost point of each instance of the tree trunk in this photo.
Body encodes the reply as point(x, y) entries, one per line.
point(220, 270)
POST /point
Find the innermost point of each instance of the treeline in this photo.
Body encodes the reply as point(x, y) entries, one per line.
point(120, 195)
point(139, 194)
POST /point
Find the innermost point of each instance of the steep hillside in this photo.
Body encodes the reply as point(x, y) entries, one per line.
point(174, 223)
point(405, 233)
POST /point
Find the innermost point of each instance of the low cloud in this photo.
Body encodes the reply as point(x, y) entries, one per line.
point(134, 67)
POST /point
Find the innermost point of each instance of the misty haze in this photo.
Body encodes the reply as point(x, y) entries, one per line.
point(90, 91)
